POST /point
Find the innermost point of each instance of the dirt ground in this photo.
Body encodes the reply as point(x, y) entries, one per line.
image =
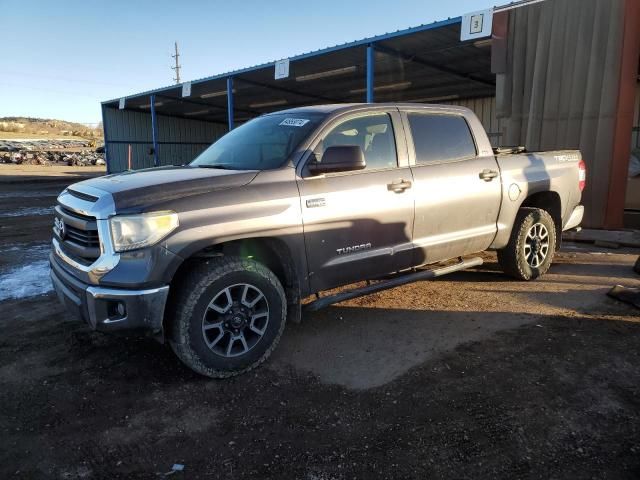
point(471, 376)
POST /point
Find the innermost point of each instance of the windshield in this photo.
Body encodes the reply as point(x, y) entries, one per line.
point(263, 143)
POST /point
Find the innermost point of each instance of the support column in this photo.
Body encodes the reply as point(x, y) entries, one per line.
point(154, 130)
point(630, 52)
point(104, 135)
point(230, 102)
point(370, 72)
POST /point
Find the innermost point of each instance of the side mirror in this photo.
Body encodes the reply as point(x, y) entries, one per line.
point(339, 158)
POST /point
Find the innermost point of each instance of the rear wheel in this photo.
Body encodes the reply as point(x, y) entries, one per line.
point(531, 247)
point(229, 315)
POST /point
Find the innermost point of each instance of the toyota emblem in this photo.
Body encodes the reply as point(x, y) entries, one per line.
point(60, 227)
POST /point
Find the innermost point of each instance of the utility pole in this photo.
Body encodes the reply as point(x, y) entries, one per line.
point(177, 67)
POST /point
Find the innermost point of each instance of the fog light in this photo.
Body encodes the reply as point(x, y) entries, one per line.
point(116, 310)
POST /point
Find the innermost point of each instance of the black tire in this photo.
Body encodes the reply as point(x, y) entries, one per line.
point(197, 314)
point(517, 258)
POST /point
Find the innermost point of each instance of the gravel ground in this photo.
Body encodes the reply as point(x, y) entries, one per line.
point(470, 376)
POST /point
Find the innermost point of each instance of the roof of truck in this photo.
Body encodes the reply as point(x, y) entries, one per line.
point(328, 108)
point(337, 107)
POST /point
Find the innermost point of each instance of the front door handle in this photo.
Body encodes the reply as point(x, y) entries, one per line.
point(399, 186)
point(488, 175)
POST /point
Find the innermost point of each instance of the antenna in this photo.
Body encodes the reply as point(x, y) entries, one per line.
point(177, 67)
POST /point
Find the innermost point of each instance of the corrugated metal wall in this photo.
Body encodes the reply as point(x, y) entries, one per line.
point(179, 140)
point(558, 86)
point(485, 109)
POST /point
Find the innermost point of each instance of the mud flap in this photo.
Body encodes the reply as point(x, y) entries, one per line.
point(294, 308)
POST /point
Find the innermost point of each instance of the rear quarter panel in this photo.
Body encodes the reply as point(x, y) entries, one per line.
point(526, 174)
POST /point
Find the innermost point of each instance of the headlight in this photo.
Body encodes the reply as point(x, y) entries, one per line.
point(130, 232)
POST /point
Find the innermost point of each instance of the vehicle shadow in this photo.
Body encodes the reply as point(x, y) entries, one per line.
point(363, 348)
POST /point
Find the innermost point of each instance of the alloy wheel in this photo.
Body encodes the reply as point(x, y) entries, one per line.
point(235, 320)
point(536, 245)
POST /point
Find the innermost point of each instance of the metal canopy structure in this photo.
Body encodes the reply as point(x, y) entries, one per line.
point(428, 63)
point(590, 104)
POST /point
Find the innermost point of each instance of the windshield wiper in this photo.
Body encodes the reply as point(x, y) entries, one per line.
point(221, 166)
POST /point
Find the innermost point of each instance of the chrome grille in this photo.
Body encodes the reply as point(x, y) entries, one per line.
point(77, 234)
point(87, 238)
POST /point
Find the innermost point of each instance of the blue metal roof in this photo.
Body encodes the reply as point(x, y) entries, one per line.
point(356, 43)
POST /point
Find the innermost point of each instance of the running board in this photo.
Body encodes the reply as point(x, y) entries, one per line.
point(394, 282)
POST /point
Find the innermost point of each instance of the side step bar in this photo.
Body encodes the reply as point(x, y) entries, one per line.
point(394, 282)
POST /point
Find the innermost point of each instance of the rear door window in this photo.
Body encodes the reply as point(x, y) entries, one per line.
point(440, 138)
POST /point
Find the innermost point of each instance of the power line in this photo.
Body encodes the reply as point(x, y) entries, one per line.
point(177, 67)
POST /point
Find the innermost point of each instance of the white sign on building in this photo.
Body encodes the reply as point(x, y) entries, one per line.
point(476, 25)
point(186, 89)
point(282, 69)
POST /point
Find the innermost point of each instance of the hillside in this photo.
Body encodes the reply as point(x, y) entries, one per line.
point(27, 127)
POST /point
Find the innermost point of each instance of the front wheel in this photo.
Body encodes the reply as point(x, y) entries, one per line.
point(229, 315)
point(531, 247)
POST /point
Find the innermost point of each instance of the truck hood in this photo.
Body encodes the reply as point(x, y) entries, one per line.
point(144, 188)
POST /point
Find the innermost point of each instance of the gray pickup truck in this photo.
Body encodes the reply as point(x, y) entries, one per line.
point(214, 257)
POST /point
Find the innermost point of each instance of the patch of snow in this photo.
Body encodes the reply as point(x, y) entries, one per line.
point(30, 211)
point(25, 281)
point(28, 251)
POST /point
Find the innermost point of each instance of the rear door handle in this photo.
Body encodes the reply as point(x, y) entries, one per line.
point(488, 175)
point(399, 186)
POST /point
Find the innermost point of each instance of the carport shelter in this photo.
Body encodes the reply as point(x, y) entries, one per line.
point(550, 74)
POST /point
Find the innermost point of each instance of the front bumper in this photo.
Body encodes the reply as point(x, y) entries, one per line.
point(110, 309)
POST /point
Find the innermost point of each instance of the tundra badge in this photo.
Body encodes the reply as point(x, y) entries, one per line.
point(355, 248)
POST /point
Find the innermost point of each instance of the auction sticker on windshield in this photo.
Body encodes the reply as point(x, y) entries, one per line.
point(294, 122)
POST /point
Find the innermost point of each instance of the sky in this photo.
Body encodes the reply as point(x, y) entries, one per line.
point(60, 59)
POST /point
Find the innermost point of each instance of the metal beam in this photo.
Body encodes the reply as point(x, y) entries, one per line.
point(205, 118)
point(154, 130)
point(142, 142)
point(230, 102)
point(432, 65)
point(371, 66)
point(205, 104)
point(288, 90)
